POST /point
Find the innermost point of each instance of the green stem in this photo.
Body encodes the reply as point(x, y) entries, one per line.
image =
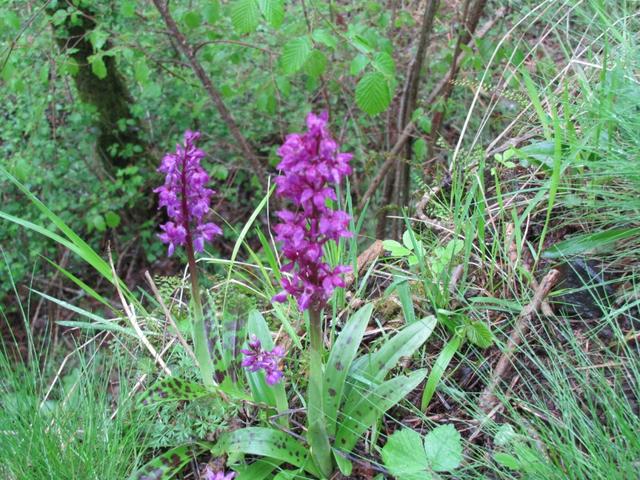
point(199, 332)
point(317, 430)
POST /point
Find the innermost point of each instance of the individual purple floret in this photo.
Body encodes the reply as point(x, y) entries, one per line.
point(311, 165)
point(255, 358)
point(209, 474)
point(186, 197)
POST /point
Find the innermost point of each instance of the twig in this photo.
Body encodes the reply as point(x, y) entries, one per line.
point(189, 52)
point(488, 399)
point(365, 259)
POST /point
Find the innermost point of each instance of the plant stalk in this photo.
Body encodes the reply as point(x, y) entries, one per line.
point(317, 431)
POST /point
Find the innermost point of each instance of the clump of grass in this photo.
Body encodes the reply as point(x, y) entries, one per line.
point(73, 430)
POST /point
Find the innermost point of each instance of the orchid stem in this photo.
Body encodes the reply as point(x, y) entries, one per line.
point(199, 332)
point(317, 431)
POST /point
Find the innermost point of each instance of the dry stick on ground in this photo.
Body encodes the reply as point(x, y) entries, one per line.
point(189, 52)
point(488, 400)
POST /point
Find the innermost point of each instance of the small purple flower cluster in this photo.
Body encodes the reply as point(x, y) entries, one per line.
point(209, 474)
point(255, 358)
point(186, 197)
point(311, 164)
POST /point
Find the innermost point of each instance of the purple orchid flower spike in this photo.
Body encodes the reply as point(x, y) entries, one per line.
point(311, 165)
point(186, 197)
point(255, 358)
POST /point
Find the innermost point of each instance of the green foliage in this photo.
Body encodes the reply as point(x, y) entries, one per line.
point(407, 458)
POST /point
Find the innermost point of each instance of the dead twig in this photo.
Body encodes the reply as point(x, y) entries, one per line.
point(488, 399)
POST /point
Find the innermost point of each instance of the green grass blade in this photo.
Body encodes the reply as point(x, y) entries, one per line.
point(439, 367)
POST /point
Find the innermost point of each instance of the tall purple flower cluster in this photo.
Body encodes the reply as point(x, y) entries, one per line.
point(255, 358)
point(186, 197)
point(311, 166)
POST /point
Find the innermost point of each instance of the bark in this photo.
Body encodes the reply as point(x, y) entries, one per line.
point(110, 95)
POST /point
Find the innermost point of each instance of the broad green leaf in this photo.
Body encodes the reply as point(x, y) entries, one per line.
point(342, 354)
point(507, 460)
point(479, 334)
point(98, 38)
point(583, 243)
point(443, 447)
point(98, 223)
point(384, 64)
point(358, 64)
point(420, 149)
point(373, 95)
point(316, 64)
point(168, 464)
point(128, 8)
point(173, 389)
point(295, 53)
point(404, 456)
point(375, 366)
point(396, 248)
point(344, 464)
point(245, 15)
point(442, 362)
point(266, 442)
point(366, 407)
point(141, 71)
point(192, 19)
point(273, 11)
point(258, 470)
point(212, 11)
point(325, 37)
point(112, 219)
point(98, 67)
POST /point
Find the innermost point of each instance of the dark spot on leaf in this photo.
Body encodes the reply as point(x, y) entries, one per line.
point(339, 366)
point(332, 392)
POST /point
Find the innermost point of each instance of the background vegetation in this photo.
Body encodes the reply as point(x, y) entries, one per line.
point(494, 142)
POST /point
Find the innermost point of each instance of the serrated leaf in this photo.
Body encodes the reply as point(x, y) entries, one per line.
point(98, 68)
point(273, 11)
point(384, 64)
point(295, 53)
point(342, 354)
point(316, 64)
point(266, 442)
point(358, 64)
point(479, 334)
point(325, 37)
point(141, 71)
point(373, 95)
point(98, 38)
point(404, 455)
point(245, 15)
point(128, 8)
point(443, 446)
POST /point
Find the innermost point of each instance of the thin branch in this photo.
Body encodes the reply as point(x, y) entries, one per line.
point(188, 51)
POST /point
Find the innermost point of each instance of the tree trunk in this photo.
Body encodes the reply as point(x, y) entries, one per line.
point(118, 134)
